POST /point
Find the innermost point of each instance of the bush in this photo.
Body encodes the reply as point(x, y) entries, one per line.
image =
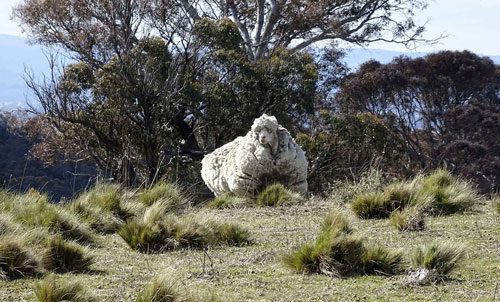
point(61, 256)
point(50, 290)
point(16, 261)
point(337, 252)
point(167, 192)
point(277, 195)
point(442, 259)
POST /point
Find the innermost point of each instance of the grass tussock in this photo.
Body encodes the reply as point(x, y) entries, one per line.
point(107, 198)
point(51, 290)
point(180, 233)
point(338, 252)
point(36, 211)
point(410, 219)
point(168, 193)
point(61, 256)
point(162, 289)
point(100, 221)
point(370, 181)
point(277, 195)
point(16, 261)
point(227, 200)
point(437, 193)
point(441, 258)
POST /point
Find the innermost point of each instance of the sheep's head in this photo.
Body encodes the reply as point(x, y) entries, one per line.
point(265, 131)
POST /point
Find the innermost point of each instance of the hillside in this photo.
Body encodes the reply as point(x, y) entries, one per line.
point(256, 272)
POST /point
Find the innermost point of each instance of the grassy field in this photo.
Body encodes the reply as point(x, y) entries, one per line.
point(256, 272)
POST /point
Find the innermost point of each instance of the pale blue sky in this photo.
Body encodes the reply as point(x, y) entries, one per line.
point(469, 24)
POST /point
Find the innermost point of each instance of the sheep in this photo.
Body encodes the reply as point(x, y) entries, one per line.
point(266, 154)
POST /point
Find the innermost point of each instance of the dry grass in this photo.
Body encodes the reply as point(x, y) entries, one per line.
point(255, 273)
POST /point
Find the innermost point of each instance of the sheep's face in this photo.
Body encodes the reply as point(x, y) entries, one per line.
point(265, 130)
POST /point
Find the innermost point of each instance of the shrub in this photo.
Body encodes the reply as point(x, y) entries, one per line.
point(50, 290)
point(442, 259)
point(277, 195)
point(167, 192)
point(380, 261)
point(61, 256)
point(16, 261)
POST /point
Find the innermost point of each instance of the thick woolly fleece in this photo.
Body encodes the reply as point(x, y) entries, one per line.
point(266, 154)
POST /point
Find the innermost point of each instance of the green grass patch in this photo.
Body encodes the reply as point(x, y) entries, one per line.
point(277, 195)
point(16, 260)
point(227, 200)
point(410, 219)
point(338, 252)
point(51, 290)
point(441, 258)
point(162, 289)
point(61, 256)
point(167, 192)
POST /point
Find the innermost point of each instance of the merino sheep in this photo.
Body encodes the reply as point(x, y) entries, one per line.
point(266, 154)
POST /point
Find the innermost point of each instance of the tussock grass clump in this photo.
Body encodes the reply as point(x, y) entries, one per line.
point(232, 234)
point(227, 200)
point(51, 290)
point(378, 260)
point(433, 263)
point(370, 181)
point(338, 252)
point(438, 193)
point(410, 219)
point(62, 256)
point(100, 221)
point(161, 289)
point(152, 235)
point(277, 195)
point(16, 261)
point(107, 198)
point(169, 193)
point(448, 194)
point(441, 258)
point(36, 211)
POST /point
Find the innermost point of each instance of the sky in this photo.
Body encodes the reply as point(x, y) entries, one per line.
point(469, 24)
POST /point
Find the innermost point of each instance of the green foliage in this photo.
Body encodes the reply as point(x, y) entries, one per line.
point(51, 290)
point(167, 192)
point(61, 256)
point(16, 261)
point(441, 258)
point(218, 34)
point(372, 205)
point(98, 220)
point(337, 252)
point(144, 238)
point(369, 181)
point(277, 195)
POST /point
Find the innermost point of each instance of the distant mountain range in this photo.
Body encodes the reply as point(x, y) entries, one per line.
point(16, 56)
